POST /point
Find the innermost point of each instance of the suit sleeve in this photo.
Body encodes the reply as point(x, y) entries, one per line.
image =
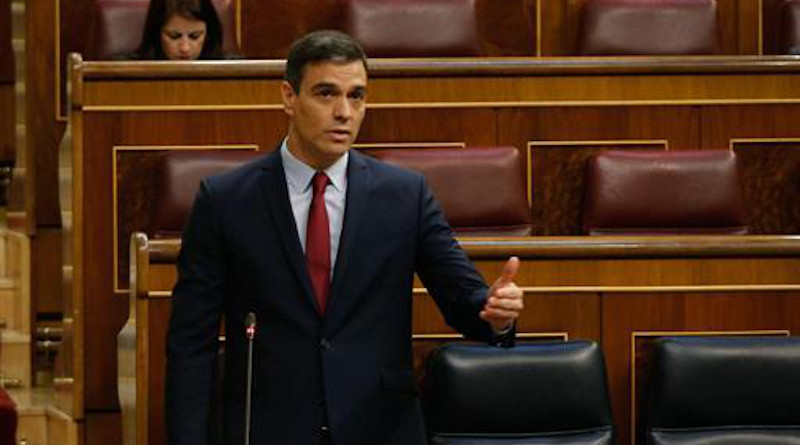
point(194, 325)
point(450, 277)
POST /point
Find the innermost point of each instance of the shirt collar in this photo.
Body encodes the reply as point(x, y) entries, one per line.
point(299, 174)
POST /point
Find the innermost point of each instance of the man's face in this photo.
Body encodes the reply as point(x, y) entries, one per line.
point(326, 114)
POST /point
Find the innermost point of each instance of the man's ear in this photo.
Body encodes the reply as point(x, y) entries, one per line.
point(288, 95)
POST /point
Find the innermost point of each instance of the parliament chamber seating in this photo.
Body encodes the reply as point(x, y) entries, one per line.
point(413, 28)
point(116, 27)
point(723, 390)
point(790, 27)
point(540, 393)
point(655, 192)
point(648, 27)
point(483, 190)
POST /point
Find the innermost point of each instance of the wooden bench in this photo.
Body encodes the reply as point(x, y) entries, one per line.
point(619, 291)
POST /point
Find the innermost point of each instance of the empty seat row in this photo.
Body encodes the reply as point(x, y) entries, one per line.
point(484, 190)
point(413, 28)
point(699, 391)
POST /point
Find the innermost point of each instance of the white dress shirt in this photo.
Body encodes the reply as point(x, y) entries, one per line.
point(298, 181)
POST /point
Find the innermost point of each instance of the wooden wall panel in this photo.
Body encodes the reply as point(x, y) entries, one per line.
point(472, 127)
point(679, 126)
point(769, 175)
point(723, 123)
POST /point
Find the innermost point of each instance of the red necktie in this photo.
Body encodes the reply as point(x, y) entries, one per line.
point(318, 242)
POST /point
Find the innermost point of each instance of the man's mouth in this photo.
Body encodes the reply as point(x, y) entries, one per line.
point(339, 135)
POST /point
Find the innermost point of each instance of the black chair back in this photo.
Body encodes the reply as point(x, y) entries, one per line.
point(543, 394)
point(723, 391)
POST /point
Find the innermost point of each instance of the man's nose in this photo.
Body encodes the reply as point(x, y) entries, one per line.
point(343, 109)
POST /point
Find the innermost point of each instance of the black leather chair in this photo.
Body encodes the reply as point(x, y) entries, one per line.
point(535, 394)
point(723, 391)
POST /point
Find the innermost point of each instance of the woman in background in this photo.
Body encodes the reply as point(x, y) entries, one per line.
point(181, 30)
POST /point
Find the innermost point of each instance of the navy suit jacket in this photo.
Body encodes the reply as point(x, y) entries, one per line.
point(350, 370)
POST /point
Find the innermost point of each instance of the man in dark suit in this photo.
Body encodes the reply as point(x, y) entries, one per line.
point(321, 243)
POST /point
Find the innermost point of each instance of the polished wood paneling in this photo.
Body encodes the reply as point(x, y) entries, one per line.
point(472, 127)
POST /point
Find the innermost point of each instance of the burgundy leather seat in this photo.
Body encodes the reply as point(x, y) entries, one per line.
point(116, 27)
point(648, 27)
point(179, 176)
point(483, 190)
point(680, 192)
point(8, 419)
point(790, 27)
point(413, 28)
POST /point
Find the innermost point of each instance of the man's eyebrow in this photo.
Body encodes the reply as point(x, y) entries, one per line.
point(323, 86)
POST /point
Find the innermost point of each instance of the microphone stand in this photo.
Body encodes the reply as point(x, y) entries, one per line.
point(250, 332)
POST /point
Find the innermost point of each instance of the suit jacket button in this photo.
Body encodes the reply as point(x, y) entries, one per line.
point(325, 429)
point(325, 344)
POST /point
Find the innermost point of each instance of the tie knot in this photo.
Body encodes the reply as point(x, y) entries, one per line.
point(319, 182)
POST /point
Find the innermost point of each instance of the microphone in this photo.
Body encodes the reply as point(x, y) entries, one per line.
point(250, 333)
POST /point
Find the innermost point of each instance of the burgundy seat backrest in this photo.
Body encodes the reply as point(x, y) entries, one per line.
point(413, 28)
point(179, 174)
point(116, 27)
point(482, 190)
point(790, 27)
point(648, 27)
point(674, 192)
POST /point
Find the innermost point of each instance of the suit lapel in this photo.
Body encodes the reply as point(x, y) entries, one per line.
point(273, 183)
point(358, 184)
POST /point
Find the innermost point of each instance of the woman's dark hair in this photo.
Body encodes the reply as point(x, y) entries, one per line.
point(160, 12)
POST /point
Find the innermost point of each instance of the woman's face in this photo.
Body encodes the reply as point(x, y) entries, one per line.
point(183, 38)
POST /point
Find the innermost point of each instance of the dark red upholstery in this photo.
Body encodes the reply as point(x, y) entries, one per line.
point(8, 419)
point(179, 176)
point(790, 27)
point(117, 25)
point(413, 28)
point(648, 27)
point(483, 191)
point(680, 192)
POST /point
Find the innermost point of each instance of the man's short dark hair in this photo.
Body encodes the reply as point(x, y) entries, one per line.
point(320, 46)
